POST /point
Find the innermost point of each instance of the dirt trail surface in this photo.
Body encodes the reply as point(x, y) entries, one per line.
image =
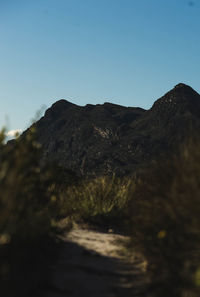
point(93, 264)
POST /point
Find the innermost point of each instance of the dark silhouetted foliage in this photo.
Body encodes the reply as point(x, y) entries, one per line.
point(165, 223)
point(29, 206)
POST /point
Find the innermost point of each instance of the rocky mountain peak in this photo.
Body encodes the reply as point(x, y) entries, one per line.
point(184, 90)
point(182, 98)
point(58, 108)
point(182, 86)
point(107, 138)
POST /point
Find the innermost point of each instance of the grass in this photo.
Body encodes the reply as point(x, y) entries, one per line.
point(100, 201)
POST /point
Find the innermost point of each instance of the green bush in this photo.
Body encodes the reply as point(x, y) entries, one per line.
point(165, 221)
point(27, 192)
point(29, 203)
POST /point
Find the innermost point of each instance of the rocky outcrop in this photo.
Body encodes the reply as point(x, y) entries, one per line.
point(107, 138)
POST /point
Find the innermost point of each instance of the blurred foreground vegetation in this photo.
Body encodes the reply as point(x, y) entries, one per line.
point(160, 210)
point(27, 213)
point(164, 216)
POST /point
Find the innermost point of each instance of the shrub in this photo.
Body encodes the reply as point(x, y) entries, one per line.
point(100, 200)
point(28, 209)
point(165, 222)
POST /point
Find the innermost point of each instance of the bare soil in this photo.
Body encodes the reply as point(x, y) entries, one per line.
point(94, 264)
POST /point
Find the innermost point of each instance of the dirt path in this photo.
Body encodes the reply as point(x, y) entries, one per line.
point(93, 264)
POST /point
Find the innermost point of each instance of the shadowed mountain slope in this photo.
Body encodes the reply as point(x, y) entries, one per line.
point(101, 139)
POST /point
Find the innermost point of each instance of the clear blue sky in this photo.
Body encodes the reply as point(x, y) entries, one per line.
point(90, 51)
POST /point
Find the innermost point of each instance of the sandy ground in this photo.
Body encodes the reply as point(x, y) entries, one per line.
point(94, 264)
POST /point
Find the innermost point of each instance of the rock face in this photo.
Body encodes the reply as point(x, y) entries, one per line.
point(101, 139)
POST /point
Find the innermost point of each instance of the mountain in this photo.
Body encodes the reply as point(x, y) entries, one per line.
point(107, 138)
